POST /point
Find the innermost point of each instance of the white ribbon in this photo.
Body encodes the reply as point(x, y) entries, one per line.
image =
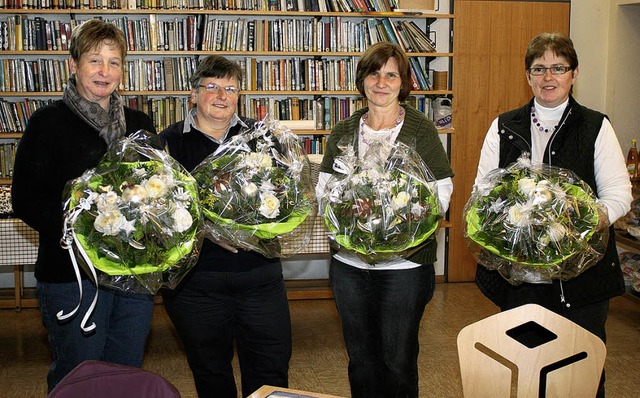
point(68, 239)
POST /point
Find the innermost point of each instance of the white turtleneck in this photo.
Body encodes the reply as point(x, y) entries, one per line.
point(612, 180)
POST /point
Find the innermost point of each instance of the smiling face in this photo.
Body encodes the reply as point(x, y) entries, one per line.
point(551, 90)
point(98, 73)
point(216, 108)
point(382, 87)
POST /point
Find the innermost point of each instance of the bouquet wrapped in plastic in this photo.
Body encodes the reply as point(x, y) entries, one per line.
point(534, 223)
point(380, 206)
point(256, 191)
point(133, 222)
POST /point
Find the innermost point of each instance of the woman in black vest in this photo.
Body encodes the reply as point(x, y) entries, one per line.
point(556, 130)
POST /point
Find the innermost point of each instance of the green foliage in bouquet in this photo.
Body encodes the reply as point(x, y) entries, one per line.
point(137, 218)
point(257, 187)
point(535, 217)
point(382, 205)
point(386, 213)
point(249, 191)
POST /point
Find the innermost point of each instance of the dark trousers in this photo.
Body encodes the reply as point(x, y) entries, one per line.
point(212, 310)
point(380, 313)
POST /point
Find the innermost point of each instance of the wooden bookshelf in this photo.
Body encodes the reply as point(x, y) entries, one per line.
point(437, 26)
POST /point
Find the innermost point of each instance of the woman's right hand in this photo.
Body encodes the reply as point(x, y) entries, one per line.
point(225, 244)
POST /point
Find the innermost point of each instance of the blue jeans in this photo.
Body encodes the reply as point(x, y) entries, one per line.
point(122, 323)
point(213, 310)
point(380, 313)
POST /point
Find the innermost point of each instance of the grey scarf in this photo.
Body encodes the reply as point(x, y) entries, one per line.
point(111, 124)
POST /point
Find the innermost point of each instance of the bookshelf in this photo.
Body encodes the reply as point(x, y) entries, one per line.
point(306, 52)
point(303, 55)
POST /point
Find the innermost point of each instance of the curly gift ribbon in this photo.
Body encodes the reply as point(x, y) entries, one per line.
point(67, 241)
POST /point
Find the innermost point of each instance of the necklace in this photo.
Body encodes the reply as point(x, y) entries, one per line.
point(398, 120)
point(538, 123)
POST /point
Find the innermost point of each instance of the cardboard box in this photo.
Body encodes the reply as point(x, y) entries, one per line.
point(416, 6)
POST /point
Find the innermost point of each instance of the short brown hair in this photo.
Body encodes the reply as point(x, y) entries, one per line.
point(558, 43)
point(215, 66)
point(375, 57)
point(94, 32)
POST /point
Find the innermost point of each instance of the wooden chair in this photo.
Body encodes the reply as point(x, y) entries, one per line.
point(529, 351)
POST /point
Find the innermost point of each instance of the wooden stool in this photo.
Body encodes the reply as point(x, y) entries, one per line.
point(529, 351)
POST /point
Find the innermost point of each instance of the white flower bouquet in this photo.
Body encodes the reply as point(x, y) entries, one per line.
point(381, 206)
point(256, 191)
point(534, 223)
point(134, 220)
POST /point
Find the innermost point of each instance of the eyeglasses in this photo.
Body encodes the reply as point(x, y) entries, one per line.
point(555, 70)
point(214, 88)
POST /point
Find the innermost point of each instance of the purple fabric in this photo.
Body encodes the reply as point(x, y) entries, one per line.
point(97, 379)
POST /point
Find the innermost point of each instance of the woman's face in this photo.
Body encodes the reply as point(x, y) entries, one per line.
point(216, 105)
point(551, 90)
point(382, 87)
point(98, 73)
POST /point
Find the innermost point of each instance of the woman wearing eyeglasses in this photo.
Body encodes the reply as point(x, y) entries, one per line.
point(556, 130)
point(230, 298)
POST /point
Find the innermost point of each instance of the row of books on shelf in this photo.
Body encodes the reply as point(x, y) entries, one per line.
point(7, 157)
point(294, 112)
point(174, 74)
point(299, 74)
point(163, 111)
point(257, 5)
point(334, 34)
point(15, 114)
point(36, 75)
point(314, 145)
point(210, 33)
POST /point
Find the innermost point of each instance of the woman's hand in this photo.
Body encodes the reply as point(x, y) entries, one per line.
point(225, 244)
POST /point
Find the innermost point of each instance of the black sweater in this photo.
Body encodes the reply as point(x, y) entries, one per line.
point(57, 146)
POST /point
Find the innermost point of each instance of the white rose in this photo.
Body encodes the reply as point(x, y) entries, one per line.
point(519, 215)
point(156, 186)
point(182, 219)
point(250, 189)
point(556, 232)
point(135, 194)
point(540, 195)
point(400, 200)
point(526, 185)
point(110, 222)
point(257, 160)
point(107, 201)
point(269, 206)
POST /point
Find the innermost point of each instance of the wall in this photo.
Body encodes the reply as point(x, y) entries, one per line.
point(607, 37)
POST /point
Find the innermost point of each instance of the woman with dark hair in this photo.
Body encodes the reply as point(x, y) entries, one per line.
point(381, 305)
point(556, 130)
point(60, 143)
point(231, 298)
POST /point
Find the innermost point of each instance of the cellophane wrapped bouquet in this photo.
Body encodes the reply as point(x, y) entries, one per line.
point(535, 223)
point(382, 205)
point(134, 221)
point(256, 191)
